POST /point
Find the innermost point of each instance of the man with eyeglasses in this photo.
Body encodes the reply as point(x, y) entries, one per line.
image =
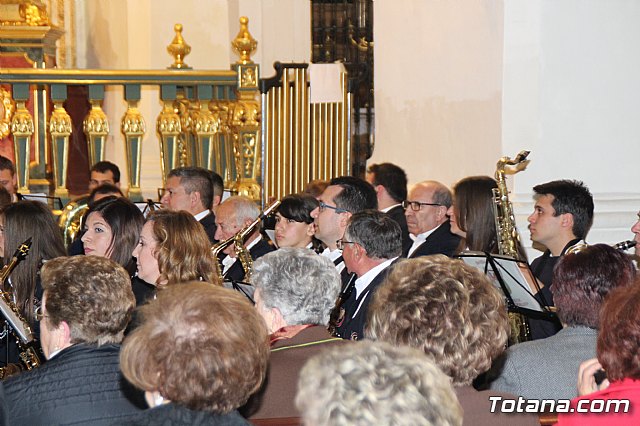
point(427, 220)
point(371, 243)
point(345, 196)
point(191, 189)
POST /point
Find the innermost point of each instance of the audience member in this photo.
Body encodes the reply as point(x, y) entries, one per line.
point(374, 383)
point(426, 212)
point(618, 349)
point(295, 291)
point(87, 305)
point(451, 312)
point(8, 178)
point(199, 354)
point(546, 368)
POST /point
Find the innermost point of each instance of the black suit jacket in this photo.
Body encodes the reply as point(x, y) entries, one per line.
point(209, 224)
point(441, 241)
point(236, 272)
point(350, 327)
point(397, 214)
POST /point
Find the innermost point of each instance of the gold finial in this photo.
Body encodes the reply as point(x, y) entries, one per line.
point(244, 44)
point(178, 49)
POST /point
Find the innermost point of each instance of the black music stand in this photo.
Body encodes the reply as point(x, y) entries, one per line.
point(514, 279)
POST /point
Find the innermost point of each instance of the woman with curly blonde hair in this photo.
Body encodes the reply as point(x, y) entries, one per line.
point(173, 248)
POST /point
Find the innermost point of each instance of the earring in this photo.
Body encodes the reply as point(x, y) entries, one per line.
point(158, 399)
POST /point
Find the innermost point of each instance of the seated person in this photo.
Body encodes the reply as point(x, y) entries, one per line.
point(87, 304)
point(295, 292)
point(617, 348)
point(546, 368)
point(198, 354)
point(451, 312)
point(375, 383)
point(294, 225)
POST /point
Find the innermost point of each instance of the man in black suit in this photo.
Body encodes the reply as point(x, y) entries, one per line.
point(191, 189)
point(345, 196)
point(232, 215)
point(390, 183)
point(371, 243)
point(427, 220)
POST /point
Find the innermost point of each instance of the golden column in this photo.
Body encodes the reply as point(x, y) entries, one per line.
point(60, 129)
point(22, 128)
point(245, 117)
point(96, 127)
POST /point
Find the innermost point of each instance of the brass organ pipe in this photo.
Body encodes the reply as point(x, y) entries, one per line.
point(304, 142)
point(299, 144)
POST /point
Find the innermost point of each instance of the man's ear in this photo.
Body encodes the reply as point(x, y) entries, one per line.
point(441, 213)
point(344, 219)
point(195, 199)
point(311, 229)
point(117, 184)
point(566, 220)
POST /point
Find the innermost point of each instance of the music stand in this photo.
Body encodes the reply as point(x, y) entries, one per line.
point(514, 279)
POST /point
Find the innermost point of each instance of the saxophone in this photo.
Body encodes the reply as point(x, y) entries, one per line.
point(507, 233)
point(18, 326)
point(238, 240)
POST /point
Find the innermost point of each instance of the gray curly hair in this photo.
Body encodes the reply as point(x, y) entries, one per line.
point(301, 284)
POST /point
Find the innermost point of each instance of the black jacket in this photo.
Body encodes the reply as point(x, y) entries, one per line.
point(236, 273)
point(177, 415)
point(80, 385)
point(441, 241)
point(209, 224)
point(397, 214)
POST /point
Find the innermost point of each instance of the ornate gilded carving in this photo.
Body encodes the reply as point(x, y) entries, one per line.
point(248, 76)
point(246, 129)
point(60, 129)
point(172, 149)
point(96, 127)
point(22, 128)
point(244, 43)
point(179, 49)
point(224, 164)
point(133, 127)
point(205, 126)
point(19, 12)
point(7, 108)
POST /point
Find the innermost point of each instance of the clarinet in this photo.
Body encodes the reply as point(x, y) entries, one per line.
point(334, 316)
point(624, 245)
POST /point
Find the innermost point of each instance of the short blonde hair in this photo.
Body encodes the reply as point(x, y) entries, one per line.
point(368, 383)
point(200, 345)
point(445, 308)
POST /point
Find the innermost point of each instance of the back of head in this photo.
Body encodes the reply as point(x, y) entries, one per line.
point(30, 219)
point(217, 184)
point(196, 179)
point(183, 249)
point(619, 335)
point(582, 281)
point(92, 294)
point(201, 346)
point(298, 207)
point(376, 232)
point(445, 308)
point(356, 195)
point(6, 164)
point(570, 196)
point(301, 284)
point(392, 178)
point(125, 220)
point(373, 383)
point(473, 200)
point(103, 191)
point(316, 187)
point(107, 166)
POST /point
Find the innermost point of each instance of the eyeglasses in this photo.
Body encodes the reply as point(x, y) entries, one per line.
point(415, 205)
point(341, 243)
point(324, 206)
point(38, 314)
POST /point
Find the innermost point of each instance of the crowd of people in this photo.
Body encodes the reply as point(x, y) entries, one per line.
point(361, 308)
